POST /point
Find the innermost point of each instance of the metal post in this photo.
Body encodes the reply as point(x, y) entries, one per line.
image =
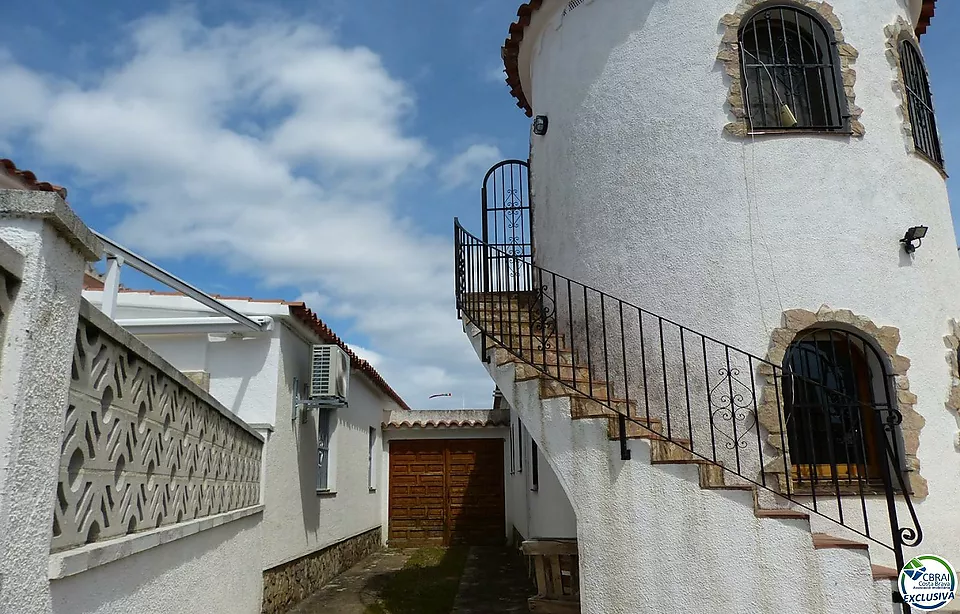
point(111, 286)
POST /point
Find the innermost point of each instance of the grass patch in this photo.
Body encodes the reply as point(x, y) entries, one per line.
point(427, 584)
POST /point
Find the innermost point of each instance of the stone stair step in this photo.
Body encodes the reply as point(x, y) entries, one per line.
point(549, 357)
point(526, 371)
point(505, 313)
point(665, 453)
point(781, 513)
point(584, 408)
point(637, 428)
point(520, 338)
point(551, 388)
point(823, 540)
point(881, 572)
point(713, 477)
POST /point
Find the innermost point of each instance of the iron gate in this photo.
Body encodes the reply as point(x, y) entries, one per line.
point(507, 225)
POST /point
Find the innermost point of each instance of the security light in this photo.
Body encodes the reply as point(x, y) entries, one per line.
point(540, 125)
point(914, 233)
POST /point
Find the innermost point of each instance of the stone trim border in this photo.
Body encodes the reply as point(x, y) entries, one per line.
point(886, 339)
point(85, 558)
point(729, 55)
point(896, 33)
point(952, 341)
point(290, 582)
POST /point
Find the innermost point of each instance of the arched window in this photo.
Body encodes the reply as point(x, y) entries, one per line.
point(791, 72)
point(836, 400)
point(920, 103)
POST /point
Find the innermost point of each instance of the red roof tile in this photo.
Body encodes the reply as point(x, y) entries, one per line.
point(510, 51)
point(448, 418)
point(28, 180)
point(926, 14)
point(310, 319)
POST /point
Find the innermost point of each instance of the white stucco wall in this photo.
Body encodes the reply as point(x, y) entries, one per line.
point(542, 513)
point(639, 192)
point(218, 571)
point(253, 376)
point(632, 516)
point(50, 245)
point(298, 520)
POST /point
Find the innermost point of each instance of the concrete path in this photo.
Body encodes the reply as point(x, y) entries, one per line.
point(355, 589)
point(494, 581)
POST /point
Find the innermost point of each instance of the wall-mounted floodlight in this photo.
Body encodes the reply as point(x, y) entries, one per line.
point(914, 233)
point(540, 123)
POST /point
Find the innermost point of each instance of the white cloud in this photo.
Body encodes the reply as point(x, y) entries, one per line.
point(496, 74)
point(469, 165)
point(370, 356)
point(276, 151)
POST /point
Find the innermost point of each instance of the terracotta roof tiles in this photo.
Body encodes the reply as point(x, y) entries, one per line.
point(450, 418)
point(926, 15)
point(510, 52)
point(310, 319)
point(28, 180)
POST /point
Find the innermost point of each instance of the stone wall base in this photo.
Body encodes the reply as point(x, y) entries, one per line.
point(288, 584)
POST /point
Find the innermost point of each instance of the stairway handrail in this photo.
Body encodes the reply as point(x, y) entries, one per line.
point(909, 536)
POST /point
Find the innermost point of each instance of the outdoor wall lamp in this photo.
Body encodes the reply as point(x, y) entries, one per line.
point(914, 233)
point(540, 125)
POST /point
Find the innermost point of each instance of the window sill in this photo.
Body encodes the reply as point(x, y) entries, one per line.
point(83, 558)
point(781, 132)
point(535, 489)
point(371, 490)
point(940, 169)
point(326, 492)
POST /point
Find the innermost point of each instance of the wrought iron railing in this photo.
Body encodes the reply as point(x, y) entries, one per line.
point(804, 436)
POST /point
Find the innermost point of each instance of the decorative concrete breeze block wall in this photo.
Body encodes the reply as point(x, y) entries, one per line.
point(143, 446)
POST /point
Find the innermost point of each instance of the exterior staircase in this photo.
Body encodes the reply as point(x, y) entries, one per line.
point(741, 545)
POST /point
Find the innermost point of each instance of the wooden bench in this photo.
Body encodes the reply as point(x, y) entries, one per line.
point(557, 569)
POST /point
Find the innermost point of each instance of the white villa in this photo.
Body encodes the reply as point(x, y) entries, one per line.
point(719, 305)
point(722, 298)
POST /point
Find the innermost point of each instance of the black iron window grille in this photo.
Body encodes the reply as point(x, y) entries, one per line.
point(920, 103)
point(791, 72)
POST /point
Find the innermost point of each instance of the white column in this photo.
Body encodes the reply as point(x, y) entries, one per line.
point(48, 245)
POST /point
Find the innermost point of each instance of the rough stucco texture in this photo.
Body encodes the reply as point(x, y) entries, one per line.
point(543, 513)
point(218, 571)
point(36, 354)
point(297, 519)
point(629, 513)
point(637, 191)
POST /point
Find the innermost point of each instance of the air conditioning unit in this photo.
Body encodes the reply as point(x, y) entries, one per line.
point(330, 374)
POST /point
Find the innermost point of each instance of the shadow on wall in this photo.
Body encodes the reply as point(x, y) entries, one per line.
point(307, 468)
point(186, 575)
point(234, 359)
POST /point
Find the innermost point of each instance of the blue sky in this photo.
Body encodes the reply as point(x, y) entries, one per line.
point(300, 151)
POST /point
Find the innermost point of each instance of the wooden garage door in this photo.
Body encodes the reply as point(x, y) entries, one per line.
point(446, 491)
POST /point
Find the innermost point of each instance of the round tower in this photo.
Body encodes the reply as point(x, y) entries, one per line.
point(755, 171)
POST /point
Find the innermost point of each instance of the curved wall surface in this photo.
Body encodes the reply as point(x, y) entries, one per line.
point(639, 191)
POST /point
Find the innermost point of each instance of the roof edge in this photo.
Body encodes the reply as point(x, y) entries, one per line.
point(510, 52)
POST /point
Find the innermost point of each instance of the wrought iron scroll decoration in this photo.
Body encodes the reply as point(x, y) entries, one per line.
point(731, 402)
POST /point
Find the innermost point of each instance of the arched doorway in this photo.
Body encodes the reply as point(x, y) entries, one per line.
point(836, 398)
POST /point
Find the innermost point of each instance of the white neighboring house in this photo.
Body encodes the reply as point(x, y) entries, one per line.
point(322, 488)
